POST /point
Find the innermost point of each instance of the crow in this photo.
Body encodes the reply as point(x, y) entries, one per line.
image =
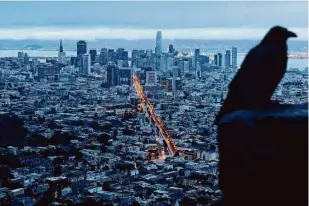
point(260, 73)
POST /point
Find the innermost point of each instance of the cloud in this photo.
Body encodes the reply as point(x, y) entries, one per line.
point(153, 15)
point(93, 33)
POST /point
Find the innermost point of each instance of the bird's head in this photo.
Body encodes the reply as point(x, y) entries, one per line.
point(278, 34)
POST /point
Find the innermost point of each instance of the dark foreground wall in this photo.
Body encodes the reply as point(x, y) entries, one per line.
point(264, 157)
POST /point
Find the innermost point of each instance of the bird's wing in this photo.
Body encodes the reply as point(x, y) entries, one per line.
point(250, 65)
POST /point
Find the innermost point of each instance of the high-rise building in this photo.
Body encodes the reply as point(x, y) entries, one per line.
point(103, 56)
point(198, 72)
point(216, 60)
point(125, 55)
point(171, 48)
point(134, 54)
point(93, 54)
point(228, 58)
point(223, 63)
point(125, 76)
point(26, 59)
point(170, 62)
point(151, 77)
point(110, 52)
point(20, 55)
point(61, 54)
point(202, 59)
point(219, 59)
point(111, 55)
point(134, 57)
point(179, 63)
point(112, 75)
point(141, 53)
point(119, 52)
point(234, 57)
point(175, 75)
point(86, 63)
point(81, 47)
point(159, 43)
point(196, 57)
point(148, 53)
point(72, 60)
point(162, 63)
point(35, 62)
point(186, 66)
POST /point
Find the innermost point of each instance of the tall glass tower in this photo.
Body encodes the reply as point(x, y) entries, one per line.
point(234, 57)
point(159, 43)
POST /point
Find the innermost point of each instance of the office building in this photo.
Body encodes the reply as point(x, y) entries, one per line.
point(86, 64)
point(219, 60)
point(81, 47)
point(216, 60)
point(125, 76)
point(159, 43)
point(112, 75)
point(103, 56)
point(48, 72)
point(134, 57)
point(125, 55)
point(162, 63)
point(196, 57)
point(234, 57)
point(171, 49)
point(227, 58)
point(110, 53)
point(93, 54)
point(169, 62)
point(61, 54)
point(148, 53)
point(151, 78)
point(186, 66)
point(198, 72)
point(121, 54)
point(175, 75)
point(26, 59)
point(20, 55)
point(73, 60)
point(223, 63)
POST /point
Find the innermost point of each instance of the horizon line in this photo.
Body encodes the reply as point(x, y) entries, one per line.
point(97, 33)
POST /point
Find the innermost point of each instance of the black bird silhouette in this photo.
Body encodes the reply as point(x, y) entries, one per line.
point(259, 75)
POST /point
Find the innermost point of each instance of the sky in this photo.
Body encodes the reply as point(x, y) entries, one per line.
point(141, 20)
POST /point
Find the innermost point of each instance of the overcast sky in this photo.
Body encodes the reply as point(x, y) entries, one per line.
point(134, 20)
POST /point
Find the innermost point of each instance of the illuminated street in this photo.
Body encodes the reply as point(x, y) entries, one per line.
point(172, 148)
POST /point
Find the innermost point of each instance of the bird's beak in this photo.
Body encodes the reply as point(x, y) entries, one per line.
point(291, 34)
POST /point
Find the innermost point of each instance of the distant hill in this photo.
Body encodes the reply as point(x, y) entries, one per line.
point(33, 47)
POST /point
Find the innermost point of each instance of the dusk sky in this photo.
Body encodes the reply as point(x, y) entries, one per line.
point(141, 20)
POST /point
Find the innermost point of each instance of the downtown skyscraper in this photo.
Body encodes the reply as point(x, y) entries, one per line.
point(159, 43)
point(227, 58)
point(81, 47)
point(234, 57)
point(61, 54)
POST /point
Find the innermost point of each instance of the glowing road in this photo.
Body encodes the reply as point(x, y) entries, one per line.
point(172, 148)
